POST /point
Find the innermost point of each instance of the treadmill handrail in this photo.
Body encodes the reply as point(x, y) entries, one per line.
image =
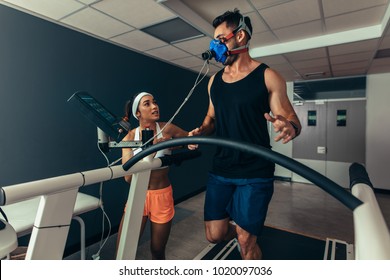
point(372, 236)
point(318, 179)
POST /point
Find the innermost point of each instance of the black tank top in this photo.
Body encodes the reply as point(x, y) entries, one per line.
point(239, 115)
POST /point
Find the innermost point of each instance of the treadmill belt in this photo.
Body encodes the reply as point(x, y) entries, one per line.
point(275, 244)
point(278, 244)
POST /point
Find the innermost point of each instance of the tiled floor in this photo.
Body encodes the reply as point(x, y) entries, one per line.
point(300, 208)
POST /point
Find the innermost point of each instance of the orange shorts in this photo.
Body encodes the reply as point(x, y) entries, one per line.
point(159, 206)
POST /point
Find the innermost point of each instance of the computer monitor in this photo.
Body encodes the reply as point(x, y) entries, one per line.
point(115, 127)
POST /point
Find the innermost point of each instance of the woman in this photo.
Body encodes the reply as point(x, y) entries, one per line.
point(159, 207)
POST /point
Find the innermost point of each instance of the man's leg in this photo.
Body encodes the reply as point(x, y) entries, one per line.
point(220, 230)
point(249, 211)
point(250, 250)
point(219, 193)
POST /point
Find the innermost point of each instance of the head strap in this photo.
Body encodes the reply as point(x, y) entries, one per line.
point(242, 26)
point(241, 49)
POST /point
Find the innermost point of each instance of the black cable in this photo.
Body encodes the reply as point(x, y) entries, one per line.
point(316, 178)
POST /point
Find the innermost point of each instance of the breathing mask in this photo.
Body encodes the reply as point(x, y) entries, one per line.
point(220, 51)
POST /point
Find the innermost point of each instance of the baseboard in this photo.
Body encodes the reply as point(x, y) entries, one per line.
point(281, 178)
point(382, 191)
point(190, 195)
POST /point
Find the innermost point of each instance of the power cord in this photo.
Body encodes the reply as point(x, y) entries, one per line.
point(96, 256)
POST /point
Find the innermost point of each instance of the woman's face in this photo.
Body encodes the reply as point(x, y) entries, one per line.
point(148, 109)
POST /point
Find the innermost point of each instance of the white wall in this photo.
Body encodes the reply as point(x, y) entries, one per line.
point(378, 130)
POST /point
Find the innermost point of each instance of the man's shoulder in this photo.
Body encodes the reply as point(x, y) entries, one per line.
point(270, 73)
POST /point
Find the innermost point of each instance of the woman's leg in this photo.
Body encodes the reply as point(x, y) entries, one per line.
point(143, 224)
point(159, 238)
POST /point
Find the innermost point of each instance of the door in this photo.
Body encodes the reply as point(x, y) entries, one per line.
point(333, 137)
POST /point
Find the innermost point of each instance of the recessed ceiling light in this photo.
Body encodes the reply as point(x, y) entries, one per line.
point(314, 74)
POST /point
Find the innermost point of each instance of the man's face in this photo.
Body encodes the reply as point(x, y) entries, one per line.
point(224, 35)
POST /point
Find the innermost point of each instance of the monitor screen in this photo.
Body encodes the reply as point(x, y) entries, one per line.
point(115, 127)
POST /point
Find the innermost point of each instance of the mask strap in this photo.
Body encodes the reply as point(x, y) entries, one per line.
point(228, 37)
point(238, 50)
point(241, 49)
point(242, 26)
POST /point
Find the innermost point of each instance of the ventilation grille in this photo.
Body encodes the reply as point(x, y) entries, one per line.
point(173, 31)
point(382, 53)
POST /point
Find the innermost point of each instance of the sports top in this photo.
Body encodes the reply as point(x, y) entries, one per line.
point(239, 115)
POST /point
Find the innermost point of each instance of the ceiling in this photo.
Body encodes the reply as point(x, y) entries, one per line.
point(330, 89)
point(302, 39)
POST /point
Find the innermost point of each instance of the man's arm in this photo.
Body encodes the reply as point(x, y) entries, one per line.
point(173, 131)
point(285, 121)
point(208, 125)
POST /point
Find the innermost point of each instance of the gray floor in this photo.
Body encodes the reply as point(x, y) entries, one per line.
point(295, 207)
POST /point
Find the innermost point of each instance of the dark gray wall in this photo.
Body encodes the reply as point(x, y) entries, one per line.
point(41, 65)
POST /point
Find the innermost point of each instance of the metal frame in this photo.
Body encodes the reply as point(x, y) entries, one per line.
point(58, 196)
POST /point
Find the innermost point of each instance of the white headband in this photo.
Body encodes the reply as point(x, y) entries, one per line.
point(136, 101)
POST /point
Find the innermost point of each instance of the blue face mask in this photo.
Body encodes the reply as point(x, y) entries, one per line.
point(219, 50)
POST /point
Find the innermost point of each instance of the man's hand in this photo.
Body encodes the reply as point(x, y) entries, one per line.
point(194, 132)
point(282, 126)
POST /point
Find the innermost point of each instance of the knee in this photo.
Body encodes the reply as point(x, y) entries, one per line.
point(214, 237)
point(249, 249)
point(245, 239)
point(215, 234)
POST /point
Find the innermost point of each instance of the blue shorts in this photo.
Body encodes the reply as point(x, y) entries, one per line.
point(243, 200)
